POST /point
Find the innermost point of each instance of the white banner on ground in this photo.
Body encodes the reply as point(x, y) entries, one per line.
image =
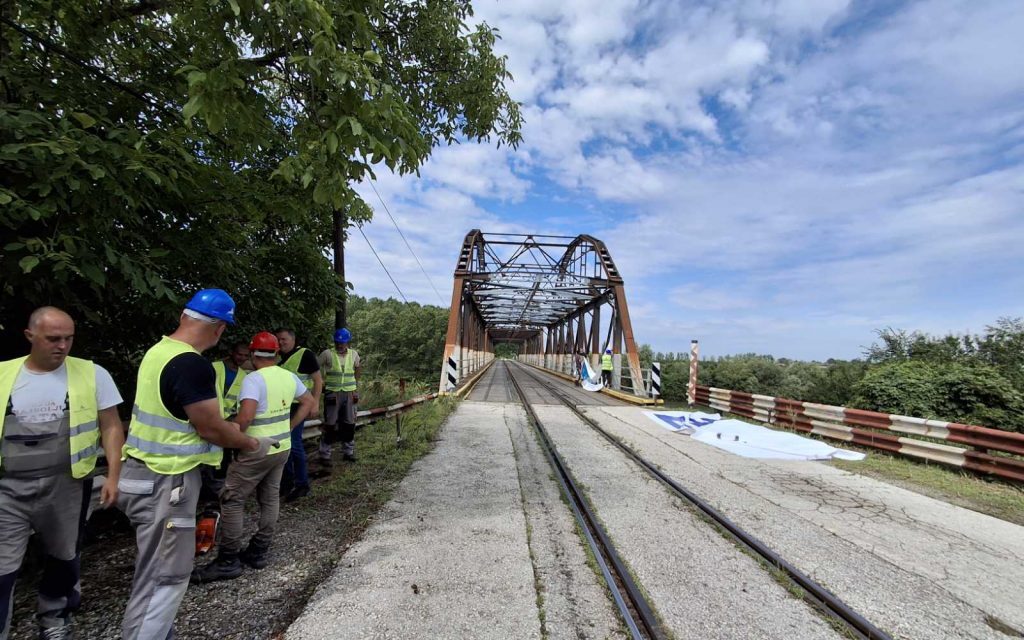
point(588, 380)
point(748, 440)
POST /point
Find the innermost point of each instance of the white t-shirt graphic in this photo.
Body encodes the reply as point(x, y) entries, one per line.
point(39, 396)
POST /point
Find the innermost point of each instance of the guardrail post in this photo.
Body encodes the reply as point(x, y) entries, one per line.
point(691, 388)
point(655, 379)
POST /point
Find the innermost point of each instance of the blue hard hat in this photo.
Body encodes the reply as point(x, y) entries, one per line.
point(214, 303)
point(342, 335)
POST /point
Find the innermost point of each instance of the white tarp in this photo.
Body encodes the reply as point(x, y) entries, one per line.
point(588, 380)
point(748, 440)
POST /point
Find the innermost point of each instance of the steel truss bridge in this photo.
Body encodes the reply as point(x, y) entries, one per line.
point(552, 296)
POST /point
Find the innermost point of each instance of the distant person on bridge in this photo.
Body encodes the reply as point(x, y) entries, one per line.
point(301, 362)
point(266, 397)
point(343, 372)
point(57, 410)
point(606, 368)
point(177, 425)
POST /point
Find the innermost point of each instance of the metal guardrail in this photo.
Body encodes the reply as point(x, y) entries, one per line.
point(878, 431)
point(369, 416)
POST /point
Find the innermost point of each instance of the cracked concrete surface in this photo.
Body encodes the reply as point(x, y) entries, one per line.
point(916, 566)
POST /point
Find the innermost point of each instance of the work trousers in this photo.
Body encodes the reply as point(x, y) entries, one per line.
point(339, 424)
point(162, 508)
point(54, 507)
point(296, 473)
point(262, 475)
point(606, 377)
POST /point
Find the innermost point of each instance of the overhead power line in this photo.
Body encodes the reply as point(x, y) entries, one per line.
point(394, 222)
point(360, 227)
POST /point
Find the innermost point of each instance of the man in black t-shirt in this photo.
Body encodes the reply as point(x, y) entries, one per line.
point(302, 362)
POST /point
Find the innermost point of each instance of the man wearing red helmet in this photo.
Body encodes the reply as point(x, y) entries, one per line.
point(265, 400)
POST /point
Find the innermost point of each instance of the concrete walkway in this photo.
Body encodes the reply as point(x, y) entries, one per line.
point(474, 544)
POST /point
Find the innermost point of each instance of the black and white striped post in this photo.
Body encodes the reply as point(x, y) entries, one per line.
point(452, 373)
point(655, 379)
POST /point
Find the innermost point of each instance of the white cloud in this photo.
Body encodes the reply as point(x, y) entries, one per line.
point(772, 175)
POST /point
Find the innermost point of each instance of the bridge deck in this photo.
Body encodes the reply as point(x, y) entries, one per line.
point(495, 386)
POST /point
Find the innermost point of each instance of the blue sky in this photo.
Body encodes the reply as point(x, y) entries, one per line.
point(775, 176)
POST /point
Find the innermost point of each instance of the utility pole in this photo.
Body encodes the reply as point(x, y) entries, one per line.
point(340, 319)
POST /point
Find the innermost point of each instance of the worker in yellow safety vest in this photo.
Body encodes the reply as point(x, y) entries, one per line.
point(606, 368)
point(302, 362)
point(57, 412)
point(230, 374)
point(264, 410)
point(343, 372)
point(177, 426)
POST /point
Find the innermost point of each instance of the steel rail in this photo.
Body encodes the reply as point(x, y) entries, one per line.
point(602, 547)
point(813, 593)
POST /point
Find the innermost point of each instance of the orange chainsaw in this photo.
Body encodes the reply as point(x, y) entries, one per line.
point(206, 531)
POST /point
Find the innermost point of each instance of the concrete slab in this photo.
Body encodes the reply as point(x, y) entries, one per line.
point(700, 583)
point(918, 567)
point(447, 557)
point(575, 603)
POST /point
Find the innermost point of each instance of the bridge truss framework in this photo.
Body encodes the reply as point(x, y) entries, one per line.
point(553, 296)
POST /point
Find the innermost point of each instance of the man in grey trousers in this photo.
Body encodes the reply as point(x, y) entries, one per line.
point(57, 409)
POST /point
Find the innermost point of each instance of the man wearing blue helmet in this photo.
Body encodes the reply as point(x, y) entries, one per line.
point(343, 371)
point(176, 427)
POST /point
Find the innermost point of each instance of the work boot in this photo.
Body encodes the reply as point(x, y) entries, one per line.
point(348, 457)
point(296, 493)
point(225, 567)
point(255, 556)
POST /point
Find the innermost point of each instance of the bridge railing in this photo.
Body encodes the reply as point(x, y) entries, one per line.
point(989, 451)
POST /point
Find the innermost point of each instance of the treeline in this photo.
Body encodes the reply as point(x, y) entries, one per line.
point(974, 379)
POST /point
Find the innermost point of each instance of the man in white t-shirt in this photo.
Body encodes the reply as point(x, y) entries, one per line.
point(265, 402)
point(57, 410)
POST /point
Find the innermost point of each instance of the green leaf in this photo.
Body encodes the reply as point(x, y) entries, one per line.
point(5, 198)
point(357, 129)
point(373, 57)
point(94, 273)
point(14, 246)
point(332, 142)
point(84, 119)
point(191, 107)
point(235, 7)
point(28, 263)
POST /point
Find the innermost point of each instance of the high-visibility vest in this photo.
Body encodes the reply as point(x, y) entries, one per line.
point(606, 362)
point(339, 377)
point(275, 421)
point(229, 401)
point(292, 364)
point(85, 432)
point(167, 444)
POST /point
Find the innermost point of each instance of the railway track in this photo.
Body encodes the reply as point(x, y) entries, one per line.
point(638, 613)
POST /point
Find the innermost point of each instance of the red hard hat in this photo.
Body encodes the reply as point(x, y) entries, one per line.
point(264, 341)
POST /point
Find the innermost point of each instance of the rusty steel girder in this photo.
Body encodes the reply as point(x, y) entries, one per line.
point(544, 293)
